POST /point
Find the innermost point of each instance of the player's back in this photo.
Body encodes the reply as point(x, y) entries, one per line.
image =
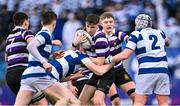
point(151, 42)
point(150, 50)
point(68, 64)
point(16, 44)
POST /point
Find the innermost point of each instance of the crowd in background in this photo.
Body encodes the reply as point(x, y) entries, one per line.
point(71, 14)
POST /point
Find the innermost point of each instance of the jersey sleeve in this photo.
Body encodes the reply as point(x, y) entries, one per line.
point(27, 34)
point(84, 58)
point(101, 45)
point(43, 38)
point(132, 42)
point(163, 34)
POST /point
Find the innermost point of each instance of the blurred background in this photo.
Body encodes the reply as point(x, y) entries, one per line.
point(71, 15)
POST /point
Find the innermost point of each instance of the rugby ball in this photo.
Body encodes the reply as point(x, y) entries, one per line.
point(86, 44)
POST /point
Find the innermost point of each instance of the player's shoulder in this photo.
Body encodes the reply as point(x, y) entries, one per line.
point(99, 34)
point(135, 33)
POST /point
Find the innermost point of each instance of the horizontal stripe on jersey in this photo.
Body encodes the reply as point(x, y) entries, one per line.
point(16, 44)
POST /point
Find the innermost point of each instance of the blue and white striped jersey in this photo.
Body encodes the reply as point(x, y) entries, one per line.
point(149, 46)
point(68, 64)
point(45, 38)
point(62, 67)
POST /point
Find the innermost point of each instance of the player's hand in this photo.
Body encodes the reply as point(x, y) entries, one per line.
point(47, 66)
point(58, 54)
point(78, 74)
point(79, 38)
point(57, 43)
point(73, 89)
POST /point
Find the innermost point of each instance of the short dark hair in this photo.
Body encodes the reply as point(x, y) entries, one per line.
point(19, 18)
point(48, 17)
point(92, 19)
point(106, 15)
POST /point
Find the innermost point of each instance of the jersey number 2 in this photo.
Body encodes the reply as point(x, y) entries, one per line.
point(155, 39)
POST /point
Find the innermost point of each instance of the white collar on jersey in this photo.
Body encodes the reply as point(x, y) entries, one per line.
point(44, 28)
point(110, 34)
point(16, 27)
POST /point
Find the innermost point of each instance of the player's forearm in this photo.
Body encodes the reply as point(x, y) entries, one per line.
point(32, 48)
point(100, 70)
point(119, 57)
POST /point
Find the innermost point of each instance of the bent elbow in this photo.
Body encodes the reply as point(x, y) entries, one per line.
point(99, 73)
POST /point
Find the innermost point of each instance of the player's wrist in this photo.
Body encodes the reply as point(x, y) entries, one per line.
point(74, 44)
point(109, 59)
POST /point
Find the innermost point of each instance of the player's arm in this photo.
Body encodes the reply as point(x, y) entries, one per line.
point(119, 57)
point(5, 57)
point(72, 88)
point(97, 69)
point(32, 48)
point(57, 43)
point(98, 60)
point(74, 76)
point(167, 42)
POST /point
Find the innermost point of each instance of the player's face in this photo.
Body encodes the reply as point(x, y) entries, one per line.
point(107, 24)
point(91, 28)
point(26, 24)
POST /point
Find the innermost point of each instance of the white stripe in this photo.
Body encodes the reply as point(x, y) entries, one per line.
point(86, 60)
point(17, 56)
point(120, 63)
point(101, 40)
point(22, 64)
point(102, 50)
point(131, 45)
point(90, 54)
point(34, 69)
point(16, 44)
point(71, 53)
point(115, 48)
point(64, 64)
point(113, 38)
point(28, 36)
point(14, 35)
point(55, 72)
point(153, 53)
point(153, 64)
point(48, 48)
point(32, 58)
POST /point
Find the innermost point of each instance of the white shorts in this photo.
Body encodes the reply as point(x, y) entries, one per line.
point(36, 84)
point(157, 83)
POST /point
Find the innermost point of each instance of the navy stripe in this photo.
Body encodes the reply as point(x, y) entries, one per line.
point(129, 48)
point(34, 75)
point(46, 37)
point(71, 64)
point(152, 59)
point(27, 33)
point(163, 35)
point(153, 70)
point(133, 38)
point(43, 52)
point(58, 67)
point(34, 63)
point(140, 50)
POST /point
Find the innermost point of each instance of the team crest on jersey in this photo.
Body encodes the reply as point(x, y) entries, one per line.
point(126, 77)
point(115, 43)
